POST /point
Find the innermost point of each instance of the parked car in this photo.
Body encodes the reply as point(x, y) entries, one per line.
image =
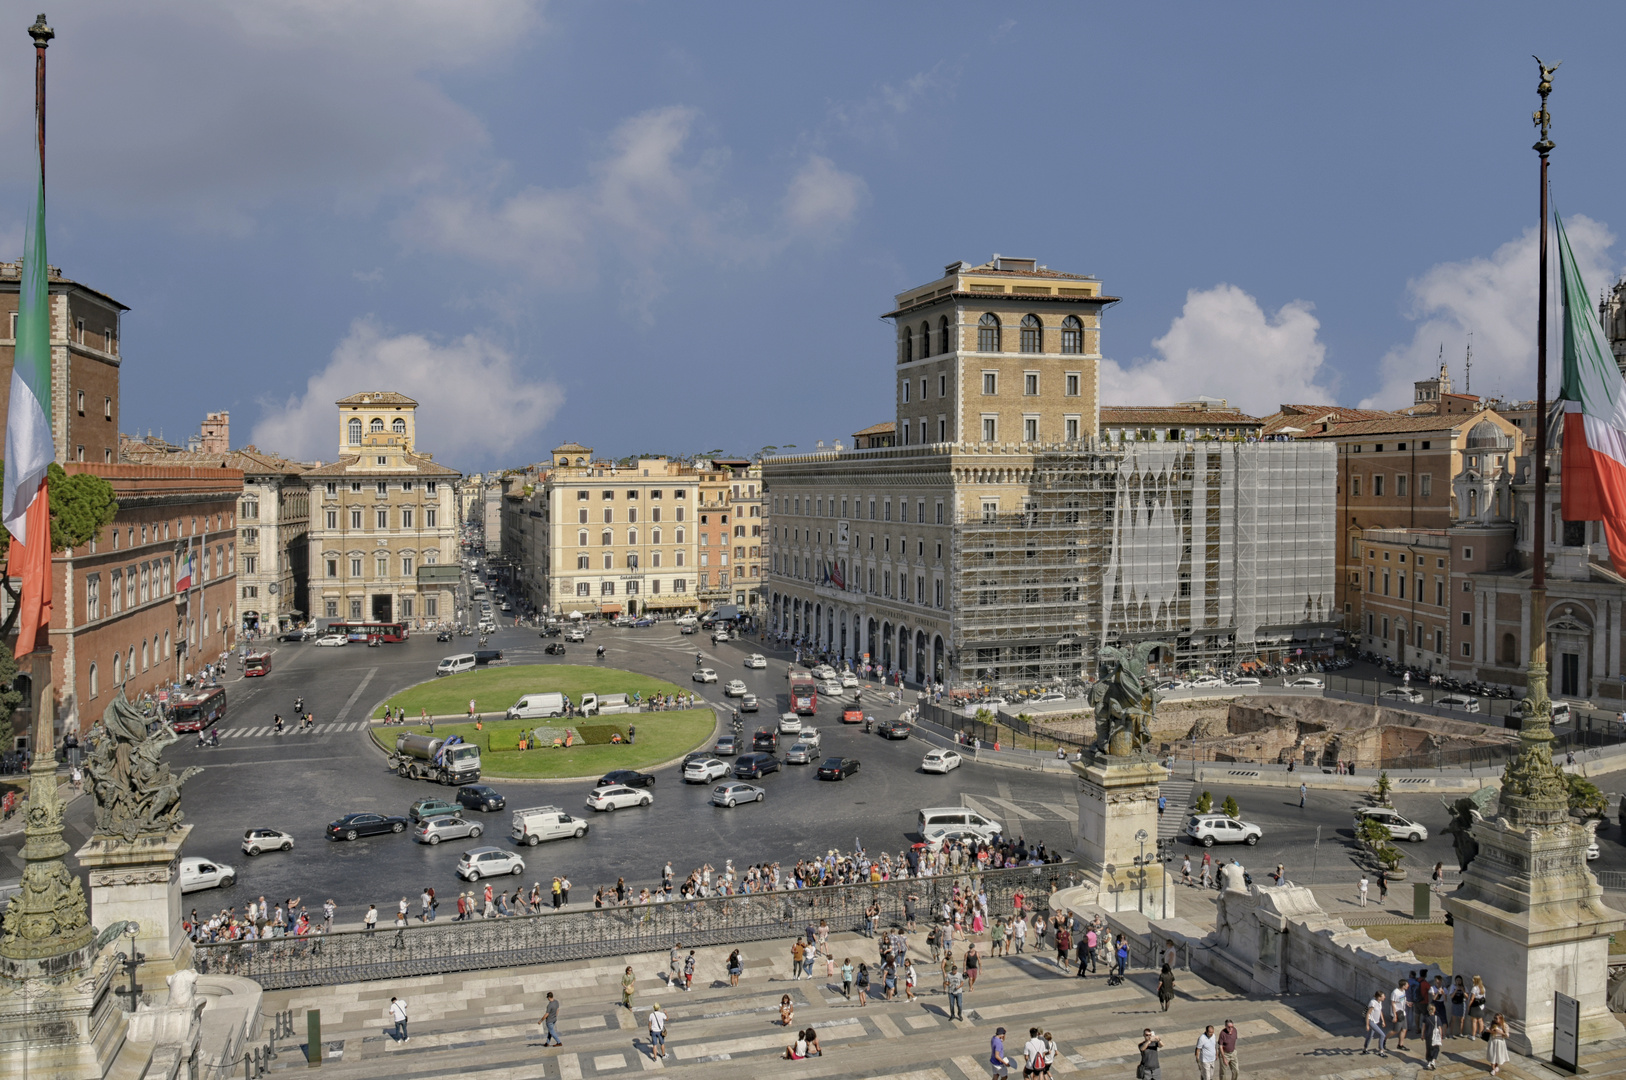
point(434, 830)
point(755, 766)
point(894, 729)
point(1401, 828)
point(734, 688)
point(555, 648)
point(258, 840)
point(766, 739)
point(1206, 681)
point(627, 777)
point(1211, 829)
point(941, 761)
point(727, 746)
point(748, 703)
point(732, 794)
point(353, 825)
point(1402, 693)
point(480, 797)
point(205, 874)
point(1306, 682)
point(703, 770)
point(480, 862)
point(428, 808)
point(756, 660)
point(790, 724)
point(838, 768)
point(849, 681)
point(704, 675)
point(801, 754)
point(1246, 680)
point(615, 796)
point(332, 640)
point(1459, 702)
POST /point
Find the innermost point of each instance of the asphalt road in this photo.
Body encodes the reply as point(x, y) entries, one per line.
point(300, 782)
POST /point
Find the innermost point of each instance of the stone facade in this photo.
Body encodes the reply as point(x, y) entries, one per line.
point(383, 533)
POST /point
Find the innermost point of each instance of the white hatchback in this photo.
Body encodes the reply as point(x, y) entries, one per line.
point(849, 681)
point(1402, 693)
point(940, 761)
point(756, 660)
point(332, 640)
point(735, 688)
point(704, 770)
point(790, 724)
point(616, 796)
point(704, 675)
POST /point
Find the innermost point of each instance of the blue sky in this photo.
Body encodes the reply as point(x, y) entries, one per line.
point(671, 227)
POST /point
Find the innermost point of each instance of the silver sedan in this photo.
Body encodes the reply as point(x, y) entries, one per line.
point(434, 830)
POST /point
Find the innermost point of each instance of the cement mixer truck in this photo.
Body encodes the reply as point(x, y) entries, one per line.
point(446, 761)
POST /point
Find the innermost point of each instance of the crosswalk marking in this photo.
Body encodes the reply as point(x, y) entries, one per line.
point(292, 731)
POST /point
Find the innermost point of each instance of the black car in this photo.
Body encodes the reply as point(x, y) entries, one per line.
point(753, 766)
point(894, 729)
point(766, 739)
point(353, 825)
point(550, 631)
point(291, 635)
point(555, 648)
point(444, 635)
point(480, 797)
point(838, 768)
point(629, 777)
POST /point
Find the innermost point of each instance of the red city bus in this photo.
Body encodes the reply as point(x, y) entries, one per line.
point(361, 631)
point(256, 663)
point(196, 710)
point(804, 694)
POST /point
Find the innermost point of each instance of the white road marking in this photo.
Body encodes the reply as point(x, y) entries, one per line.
point(365, 679)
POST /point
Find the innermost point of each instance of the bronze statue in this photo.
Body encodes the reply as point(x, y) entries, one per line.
point(133, 789)
point(1122, 701)
point(1464, 812)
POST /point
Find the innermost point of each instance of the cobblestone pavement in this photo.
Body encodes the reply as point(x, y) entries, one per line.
point(484, 1025)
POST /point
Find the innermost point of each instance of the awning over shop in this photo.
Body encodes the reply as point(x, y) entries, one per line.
point(609, 609)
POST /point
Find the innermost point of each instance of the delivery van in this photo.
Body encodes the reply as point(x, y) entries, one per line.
point(451, 665)
point(535, 706)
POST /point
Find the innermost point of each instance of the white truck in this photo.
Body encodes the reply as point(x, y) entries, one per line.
point(539, 823)
point(605, 704)
point(424, 757)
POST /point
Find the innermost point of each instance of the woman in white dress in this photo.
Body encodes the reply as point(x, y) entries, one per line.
point(1496, 1049)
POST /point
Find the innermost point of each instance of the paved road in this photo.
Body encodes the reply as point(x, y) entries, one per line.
point(300, 782)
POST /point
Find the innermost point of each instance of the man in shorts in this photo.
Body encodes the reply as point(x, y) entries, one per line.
point(996, 1056)
point(657, 1032)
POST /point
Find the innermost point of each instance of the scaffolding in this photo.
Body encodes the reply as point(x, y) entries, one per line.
point(1222, 550)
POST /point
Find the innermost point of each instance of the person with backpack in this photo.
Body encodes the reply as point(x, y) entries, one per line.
point(1033, 1056)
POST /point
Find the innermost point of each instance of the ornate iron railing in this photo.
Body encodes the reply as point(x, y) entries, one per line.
point(446, 946)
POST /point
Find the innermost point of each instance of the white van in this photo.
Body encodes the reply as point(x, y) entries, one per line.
point(535, 706)
point(540, 823)
point(936, 821)
point(451, 665)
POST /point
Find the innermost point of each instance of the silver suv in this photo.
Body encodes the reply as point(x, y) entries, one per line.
point(434, 830)
point(1211, 829)
point(480, 862)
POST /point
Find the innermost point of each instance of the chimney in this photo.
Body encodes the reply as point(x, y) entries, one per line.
point(216, 437)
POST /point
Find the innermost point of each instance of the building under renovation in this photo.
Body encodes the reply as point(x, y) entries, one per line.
point(967, 555)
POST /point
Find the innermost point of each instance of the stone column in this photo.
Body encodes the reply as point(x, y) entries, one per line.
point(1117, 800)
point(139, 881)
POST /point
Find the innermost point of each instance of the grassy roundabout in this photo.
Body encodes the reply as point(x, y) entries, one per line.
point(661, 736)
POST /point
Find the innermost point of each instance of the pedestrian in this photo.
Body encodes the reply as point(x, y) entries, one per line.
point(398, 1013)
point(1303, 791)
point(1439, 878)
point(424, 901)
point(550, 1020)
point(1207, 1054)
point(1362, 890)
point(628, 987)
point(863, 984)
point(1228, 1064)
point(657, 1032)
point(955, 985)
point(1123, 955)
point(1476, 1006)
point(1374, 1025)
point(1185, 871)
point(370, 920)
point(1162, 800)
point(1165, 987)
point(996, 1056)
point(688, 972)
point(798, 953)
point(471, 708)
point(1150, 1044)
point(973, 964)
point(736, 968)
point(1496, 1049)
point(1033, 1060)
point(1397, 1013)
point(673, 958)
point(847, 975)
point(1434, 1040)
point(787, 1011)
point(1383, 886)
point(329, 909)
point(909, 979)
point(1459, 1007)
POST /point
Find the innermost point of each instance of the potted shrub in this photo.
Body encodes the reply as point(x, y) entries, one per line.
point(1377, 839)
point(1381, 790)
point(1229, 808)
point(1205, 803)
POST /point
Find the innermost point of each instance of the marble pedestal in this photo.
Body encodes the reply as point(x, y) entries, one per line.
point(1118, 799)
point(58, 1018)
point(140, 881)
point(1530, 920)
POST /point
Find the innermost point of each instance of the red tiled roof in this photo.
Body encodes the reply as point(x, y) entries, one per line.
point(1175, 414)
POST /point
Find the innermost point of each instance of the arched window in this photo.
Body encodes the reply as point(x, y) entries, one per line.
point(943, 345)
point(129, 664)
point(398, 426)
point(988, 333)
point(607, 538)
point(1473, 503)
point(95, 681)
point(355, 431)
point(146, 654)
point(118, 669)
point(906, 351)
point(1032, 334)
point(1072, 335)
point(925, 340)
point(167, 652)
point(376, 426)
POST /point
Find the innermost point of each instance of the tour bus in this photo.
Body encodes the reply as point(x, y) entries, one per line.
point(256, 663)
point(804, 694)
point(196, 710)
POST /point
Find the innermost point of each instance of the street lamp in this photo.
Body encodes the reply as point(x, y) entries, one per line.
point(1141, 836)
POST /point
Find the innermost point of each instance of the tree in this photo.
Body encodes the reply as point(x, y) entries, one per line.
point(1205, 803)
point(1585, 797)
point(1375, 835)
point(1381, 790)
point(1229, 807)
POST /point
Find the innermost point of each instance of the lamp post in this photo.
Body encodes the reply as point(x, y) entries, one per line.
point(1141, 836)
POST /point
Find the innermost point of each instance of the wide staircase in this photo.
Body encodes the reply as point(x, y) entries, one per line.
point(483, 1025)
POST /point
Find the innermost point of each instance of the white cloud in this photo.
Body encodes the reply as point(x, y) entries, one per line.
point(1222, 344)
point(470, 393)
point(1495, 299)
point(211, 111)
point(822, 197)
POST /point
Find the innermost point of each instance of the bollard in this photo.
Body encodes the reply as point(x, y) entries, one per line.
point(313, 1037)
point(248, 1067)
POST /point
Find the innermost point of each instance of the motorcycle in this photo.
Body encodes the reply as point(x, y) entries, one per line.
point(601, 652)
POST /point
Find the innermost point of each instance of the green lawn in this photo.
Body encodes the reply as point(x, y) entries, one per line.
point(494, 689)
point(661, 736)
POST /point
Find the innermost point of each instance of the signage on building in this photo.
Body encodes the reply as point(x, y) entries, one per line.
point(1566, 1032)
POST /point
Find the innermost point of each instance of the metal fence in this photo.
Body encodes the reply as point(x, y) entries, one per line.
point(445, 946)
point(1009, 732)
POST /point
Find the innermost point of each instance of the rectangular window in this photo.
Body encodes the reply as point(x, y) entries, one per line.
point(406, 517)
point(406, 607)
point(333, 568)
point(251, 564)
point(584, 589)
point(93, 593)
point(430, 515)
point(81, 402)
point(1070, 428)
point(1467, 618)
point(905, 391)
point(942, 386)
point(937, 593)
point(332, 609)
point(431, 607)
point(1400, 486)
point(939, 511)
point(1030, 429)
point(383, 487)
point(1355, 486)
point(1467, 649)
point(990, 383)
point(355, 518)
point(990, 428)
point(1377, 485)
point(431, 486)
point(382, 566)
point(1439, 592)
point(355, 567)
point(383, 519)
point(406, 566)
point(1425, 485)
point(1030, 383)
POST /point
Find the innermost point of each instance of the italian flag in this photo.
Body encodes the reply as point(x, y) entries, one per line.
point(1593, 399)
point(29, 447)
